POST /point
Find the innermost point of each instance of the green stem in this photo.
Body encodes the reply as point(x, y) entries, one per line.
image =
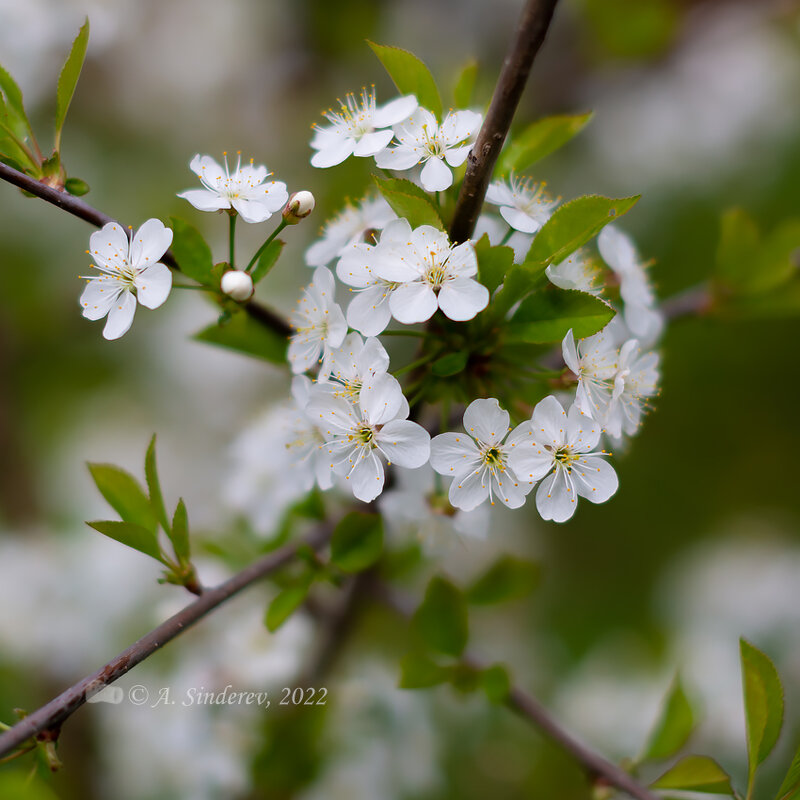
point(17, 754)
point(232, 238)
point(420, 334)
point(414, 364)
point(195, 288)
point(510, 233)
point(281, 225)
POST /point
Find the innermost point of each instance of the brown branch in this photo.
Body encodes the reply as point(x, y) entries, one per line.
point(47, 720)
point(531, 30)
point(596, 766)
point(78, 208)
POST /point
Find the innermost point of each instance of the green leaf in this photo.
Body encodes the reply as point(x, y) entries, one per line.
point(410, 75)
point(738, 247)
point(540, 139)
point(123, 493)
point(130, 534)
point(465, 85)
point(409, 201)
point(493, 262)
point(417, 671)
point(76, 186)
point(246, 335)
point(284, 604)
point(674, 725)
point(778, 257)
point(519, 282)
point(12, 110)
point(154, 486)
point(68, 79)
point(496, 682)
point(266, 261)
point(441, 619)
point(192, 253)
point(763, 705)
point(509, 578)
point(357, 541)
point(790, 788)
point(548, 314)
point(179, 534)
point(573, 224)
point(696, 773)
point(451, 364)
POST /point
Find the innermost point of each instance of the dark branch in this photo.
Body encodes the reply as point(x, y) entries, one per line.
point(48, 719)
point(530, 34)
point(77, 207)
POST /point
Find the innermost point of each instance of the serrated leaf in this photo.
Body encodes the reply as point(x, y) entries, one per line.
point(573, 224)
point(696, 773)
point(409, 201)
point(357, 541)
point(791, 783)
point(266, 261)
point(245, 335)
point(763, 705)
point(493, 262)
point(441, 619)
point(417, 671)
point(519, 282)
point(540, 139)
point(549, 313)
point(465, 84)
point(284, 604)
point(68, 79)
point(130, 534)
point(673, 726)
point(154, 486)
point(451, 364)
point(124, 494)
point(179, 534)
point(76, 186)
point(410, 75)
point(192, 253)
point(12, 109)
point(509, 578)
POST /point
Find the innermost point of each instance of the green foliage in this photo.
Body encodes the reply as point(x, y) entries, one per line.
point(698, 774)
point(179, 533)
point(790, 788)
point(24, 785)
point(410, 75)
point(538, 140)
point(357, 541)
point(465, 85)
point(450, 364)
point(409, 201)
point(192, 253)
point(284, 604)
point(418, 671)
point(123, 493)
point(674, 725)
point(15, 129)
point(68, 79)
point(496, 682)
point(129, 533)
point(242, 333)
point(493, 262)
point(509, 578)
point(76, 186)
point(763, 706)
point(441, 620)
point(268, 259)
point(649, 28)
point(154, 485)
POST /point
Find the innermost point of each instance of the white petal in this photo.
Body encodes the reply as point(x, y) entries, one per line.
point(399, 158)
point(251, 211)
point(380, 398)
point(500, 194)
point(273, 196)
point(583, 433)
point(510, 489)
point(371, 143)
point(153, 285)
point(366, 478)
point(569, 352)
point(373, 358)
point(456, 156)
point(616, 248)
point(109, 245)
point(369, 311)
point(528, 458)
point(333, 155)
point(120, 316)
point(395, 264)
point(205, 200)
point(556, 498)
point(149, 243)
point(462, 298)
point(98, 297)
point(453, 454)
point(413, 302)
point(405, 443)
point(486, 421)
point(355, 266)
point(436, 176)
point(394, 111)
point(595, 479)
point(469, 491)
point(332, 415)
point(549, 422)
point(302, 353)
point(519, 220)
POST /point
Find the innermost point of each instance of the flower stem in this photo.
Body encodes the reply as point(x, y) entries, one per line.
point(281, 225)
point(420, 334)
point(507, 236)
point(232, 238)
point(414, 364)
point(195, 288)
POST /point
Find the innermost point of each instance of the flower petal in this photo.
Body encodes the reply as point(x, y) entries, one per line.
point(251, 211)
point(394, 111)
point(405, 443)
point(333, 154)
point(109, 246)
point(149, 243)
point(369, 311)
point(153, 285)
point(380, 398)
point(436, 176)
point(519, 220)
point(453, 454)
point(371, 143)
point(400, 158)
point(366, 478)
point(549, 421)
point(485, 421)
point(462, 298)
point(205, 200)
point(556, 498)
point(469, 491)
point(98, 297)
point(595, 479)
point(120, 316)
point(413, 302)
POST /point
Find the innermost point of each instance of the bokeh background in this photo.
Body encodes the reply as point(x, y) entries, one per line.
point(696, 108)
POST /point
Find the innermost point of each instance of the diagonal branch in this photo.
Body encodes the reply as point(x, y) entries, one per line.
point(77, 207)
point(531, 30)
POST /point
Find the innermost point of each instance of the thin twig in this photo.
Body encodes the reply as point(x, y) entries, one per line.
point(78, 208)
point(49, 718)
point(530, 34)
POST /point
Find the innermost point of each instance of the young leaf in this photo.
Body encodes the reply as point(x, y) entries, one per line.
point(123, 493)
point(192, 253)
point(76, 186)
point(763, 705)
point(574, 224)
point(11, 104)
point(179, 534)
point(417, 671)
point(357, 541)
point(696, 773)
point(68, 79)
point(465, 85)
point(442, 620)
point(130, 534)
point(451, 364)
point(496, 682)
point(790, 788)
point(508, 578)
point(267, 259)
point(493, 262)
point(539, 140)
point(548, 314)
point(674, 725)
point(738, 247)
point(245, 335)
point(284, 604)
point(154, 486)
point(519, 282)
point(409, 201)
point(410, 76)
point(777, 258)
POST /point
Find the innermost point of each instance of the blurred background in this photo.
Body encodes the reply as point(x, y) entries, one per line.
point(696, 108)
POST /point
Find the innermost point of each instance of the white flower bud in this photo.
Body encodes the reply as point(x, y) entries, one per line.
point(300, 205)
point(237, 284)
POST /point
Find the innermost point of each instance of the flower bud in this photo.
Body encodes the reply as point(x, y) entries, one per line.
point(300, 205)
point(238, 285)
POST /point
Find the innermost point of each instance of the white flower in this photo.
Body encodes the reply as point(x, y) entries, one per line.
point(524, 205)
point(347, 368)
point(423, 141)
point(595, 362)
point(497, 229)
point(635, 382)
point(237, 284)
point(486, 463)
point(299, 206)
point(578, 271)
point(130, 272)
point(562, 444)
point(245, 190)
point(318, 322)
point(359, 128)
point(348, 228)
point(358, 434)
